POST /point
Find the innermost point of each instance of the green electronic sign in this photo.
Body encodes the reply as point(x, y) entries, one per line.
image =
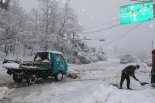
point(139, 12)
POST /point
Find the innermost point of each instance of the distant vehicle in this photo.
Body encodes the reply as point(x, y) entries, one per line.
point(123, 61)
point(148, 62)
point(127, 59)
point(134, 60)
point(45, 64)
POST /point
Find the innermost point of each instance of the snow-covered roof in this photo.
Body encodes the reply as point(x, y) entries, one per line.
point(55, 52)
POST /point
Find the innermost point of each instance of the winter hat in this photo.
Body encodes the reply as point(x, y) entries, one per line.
point(137, 66)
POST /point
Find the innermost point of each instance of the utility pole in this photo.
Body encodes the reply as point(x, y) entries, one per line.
point(74, 41)
point(152, 44)
point(74, 37)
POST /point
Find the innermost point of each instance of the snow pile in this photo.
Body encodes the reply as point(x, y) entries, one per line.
point(5, 92)
point(111, 94)
point(11, 65)
point(98, 93)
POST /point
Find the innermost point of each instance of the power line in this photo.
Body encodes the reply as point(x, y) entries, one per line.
point(102, 29)
point(124, 34)
point(106, 23)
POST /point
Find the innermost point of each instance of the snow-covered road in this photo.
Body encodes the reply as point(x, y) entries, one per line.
point(91, 87)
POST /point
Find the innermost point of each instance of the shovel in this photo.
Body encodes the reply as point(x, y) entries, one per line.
point(143, 83)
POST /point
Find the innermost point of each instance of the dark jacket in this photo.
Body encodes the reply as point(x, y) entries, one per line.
point(129, 71)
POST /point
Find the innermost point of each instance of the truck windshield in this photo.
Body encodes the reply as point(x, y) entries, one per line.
point(41, 56)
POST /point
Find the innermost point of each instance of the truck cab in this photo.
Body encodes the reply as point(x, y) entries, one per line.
point(53, 61)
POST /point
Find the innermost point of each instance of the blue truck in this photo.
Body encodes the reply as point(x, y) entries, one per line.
point(44, 65)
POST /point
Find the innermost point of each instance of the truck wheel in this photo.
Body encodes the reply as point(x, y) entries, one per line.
point(32, 79)
point(17, 78)
point(59, 76)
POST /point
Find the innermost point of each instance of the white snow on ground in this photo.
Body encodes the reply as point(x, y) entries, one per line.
point(5, 92)
point(92, 86)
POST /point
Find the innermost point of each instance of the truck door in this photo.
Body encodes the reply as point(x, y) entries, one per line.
point(60, 63)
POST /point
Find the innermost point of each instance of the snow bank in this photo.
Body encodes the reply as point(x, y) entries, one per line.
point(89, 94)
point(5, 92)
point(111, 94)
point(11, 65)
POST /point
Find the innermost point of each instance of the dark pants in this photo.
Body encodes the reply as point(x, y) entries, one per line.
point(123, 77)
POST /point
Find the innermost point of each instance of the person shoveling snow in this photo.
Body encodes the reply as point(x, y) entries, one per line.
point(126, 73)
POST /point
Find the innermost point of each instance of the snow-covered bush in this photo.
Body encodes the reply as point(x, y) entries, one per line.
point(91, 56)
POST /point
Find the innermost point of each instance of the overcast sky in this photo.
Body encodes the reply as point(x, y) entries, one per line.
point(93, 13)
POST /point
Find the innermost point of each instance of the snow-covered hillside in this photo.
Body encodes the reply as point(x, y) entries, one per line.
point(92, 86)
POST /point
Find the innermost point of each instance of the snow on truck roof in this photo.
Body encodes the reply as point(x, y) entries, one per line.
point(55, 52)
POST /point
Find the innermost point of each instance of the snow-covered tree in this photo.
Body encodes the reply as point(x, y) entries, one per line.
point(14, 22)
point(51, 26)
point(55, 25)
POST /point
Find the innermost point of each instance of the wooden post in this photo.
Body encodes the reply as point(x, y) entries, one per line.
point(153, 69)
